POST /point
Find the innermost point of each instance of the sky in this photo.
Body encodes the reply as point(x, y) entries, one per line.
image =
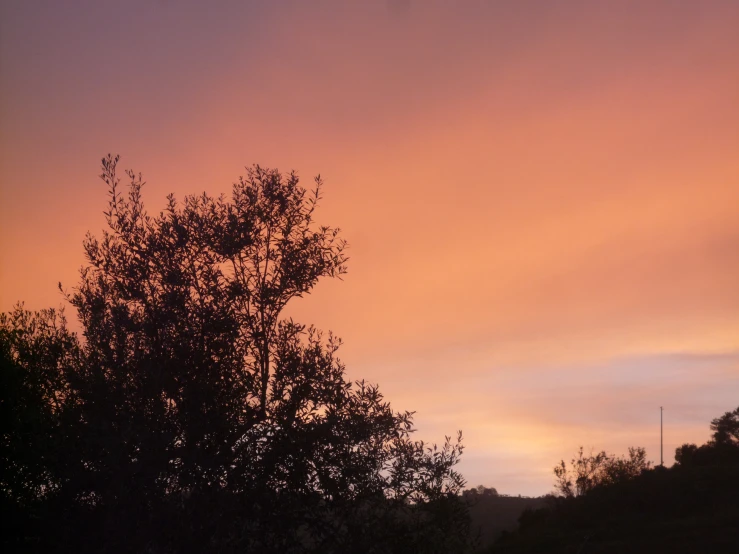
point(541, 198)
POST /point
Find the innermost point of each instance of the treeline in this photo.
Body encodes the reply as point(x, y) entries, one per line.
point(190, 416)
point(612, 505)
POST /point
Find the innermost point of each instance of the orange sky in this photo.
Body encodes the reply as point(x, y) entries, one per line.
point(542, 201)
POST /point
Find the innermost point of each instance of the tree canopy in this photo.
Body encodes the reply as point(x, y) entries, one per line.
point(726, 429)
point(190, 416)
point(599, 469)
point(722, 449)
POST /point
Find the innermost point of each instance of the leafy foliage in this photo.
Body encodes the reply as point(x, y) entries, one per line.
point(722, 449)
point(192, 417)
point(601, 469)
point(726, 429)
point(37, 352)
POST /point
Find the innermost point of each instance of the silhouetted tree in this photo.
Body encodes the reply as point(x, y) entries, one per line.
point(726, 429)
point(200, 420)
point(480, 491)
point(588, 472)
point(722, 449)
point(38, 453)
point(36, 354)
point(685, 454)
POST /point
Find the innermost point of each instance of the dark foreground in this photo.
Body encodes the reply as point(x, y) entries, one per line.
point(677, 510)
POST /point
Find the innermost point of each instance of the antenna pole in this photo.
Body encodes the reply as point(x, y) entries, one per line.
point(661, 458)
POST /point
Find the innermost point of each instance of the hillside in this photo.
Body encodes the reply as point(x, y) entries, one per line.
point(676, 510)
point(492, 515)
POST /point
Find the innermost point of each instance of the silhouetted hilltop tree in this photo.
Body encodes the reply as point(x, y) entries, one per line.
point(726, 429)
point(480, 491)
point(601, 469)
point(723, 448)
point(198, 419)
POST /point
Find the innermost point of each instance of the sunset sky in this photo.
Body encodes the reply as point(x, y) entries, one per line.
point(541, 198)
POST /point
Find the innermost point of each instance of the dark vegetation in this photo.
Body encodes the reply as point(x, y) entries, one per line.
point(690, 507)
point(491, 516)
point(190, 417)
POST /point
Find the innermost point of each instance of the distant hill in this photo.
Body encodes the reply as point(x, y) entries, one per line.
point(492, 515)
